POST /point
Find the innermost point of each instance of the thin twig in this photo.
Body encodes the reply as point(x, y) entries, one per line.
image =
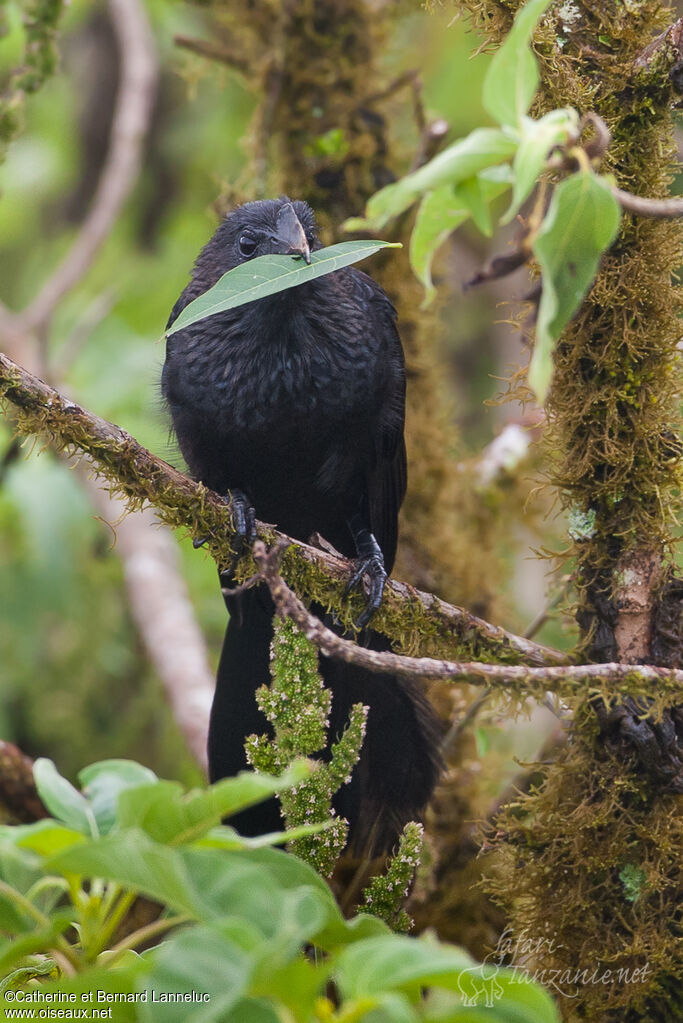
point(663, 209)
point(144, 478)
point(213, 52)
point(452, 736)
point(515, 680)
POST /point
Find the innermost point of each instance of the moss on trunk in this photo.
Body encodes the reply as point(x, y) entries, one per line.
point(615, 460)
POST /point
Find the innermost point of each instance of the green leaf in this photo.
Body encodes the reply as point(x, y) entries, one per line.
point(133, 860)
point(62, 800)
point(482, 148)
point(512, 78)
point(580, 225)
point(438, 216)
point(105, 984)
point(253, 885)
point(21, 871)
point(103, 782)
point(45, 837)
point(225, 837)
point(538, 138)
point(472, 196)
point(41, 966)
point(443, 210)
point(393, 961)
point(169, 814)
point(407, 964)
point(267, 275)
point(203, 964)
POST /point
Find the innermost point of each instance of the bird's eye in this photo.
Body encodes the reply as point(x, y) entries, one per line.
point(247, 244)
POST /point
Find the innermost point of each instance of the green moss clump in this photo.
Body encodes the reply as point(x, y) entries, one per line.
point(386, 893)
point(41, 19)
point(589, 869)
point(298, 706)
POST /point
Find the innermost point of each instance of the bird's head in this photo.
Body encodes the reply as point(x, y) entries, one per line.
point(266, 227)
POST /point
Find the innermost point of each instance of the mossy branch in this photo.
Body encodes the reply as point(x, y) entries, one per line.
point(517, 681)
point(413, 619)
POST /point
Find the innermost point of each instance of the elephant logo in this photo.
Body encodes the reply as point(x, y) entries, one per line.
point(479, 985)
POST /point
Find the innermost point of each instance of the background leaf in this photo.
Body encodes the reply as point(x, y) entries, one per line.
point(580, 225)
point(103, 782)
point(444, 209)
point(169, 814)
point(512, 78)
point(537, 139)
point(268, 275)
point(438, 216)
point(482, 148)
point(62, 800)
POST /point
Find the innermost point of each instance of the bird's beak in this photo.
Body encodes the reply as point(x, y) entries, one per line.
point(290, 235)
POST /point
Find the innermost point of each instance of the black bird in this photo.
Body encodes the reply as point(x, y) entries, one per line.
point(294, 406)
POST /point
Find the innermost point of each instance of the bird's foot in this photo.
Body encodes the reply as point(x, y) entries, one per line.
point(243, 519)
point(370, 567)
point(244, 525)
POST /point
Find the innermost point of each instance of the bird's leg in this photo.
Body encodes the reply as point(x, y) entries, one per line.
point(244, 524)
point(370, 564)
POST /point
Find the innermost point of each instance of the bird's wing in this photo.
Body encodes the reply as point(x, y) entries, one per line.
point(386, 475)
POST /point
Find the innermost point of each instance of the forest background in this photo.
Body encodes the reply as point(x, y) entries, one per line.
point(83, 673)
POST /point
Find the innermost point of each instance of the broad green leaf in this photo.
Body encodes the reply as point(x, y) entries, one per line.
point(472, 196)
point(134, 861)
point(537, 139)
point(482, 148)
point(37, 942)
point(390, 1007)
point(203, 964)
point(512, 78)
point(212, 883)
point(255, 1010)
point(507, 1003)
point(103, 782)
point(169, 814)
point(298, 984)
point(45, 837)
point(580, 225)
point(407, 964)
point(105, 984)
point(437, 217)
point(443, 210)
point(20, 871)
point(268, 275)
point(62, 800)
point(394, 961)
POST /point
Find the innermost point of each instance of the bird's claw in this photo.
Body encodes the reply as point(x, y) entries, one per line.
point(371, 567)
point(243, 519)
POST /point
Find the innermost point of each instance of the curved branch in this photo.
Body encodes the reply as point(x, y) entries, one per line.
point(515, 680)
point(407, 615)
point(139, 75)
point(662, 209)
